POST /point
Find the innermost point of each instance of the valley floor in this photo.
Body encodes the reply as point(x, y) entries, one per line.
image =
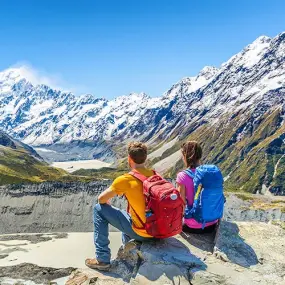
point(51, 250)
point(56, 253)
point(72, 166)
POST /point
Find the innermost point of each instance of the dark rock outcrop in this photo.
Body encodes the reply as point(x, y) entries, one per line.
point(68, 207)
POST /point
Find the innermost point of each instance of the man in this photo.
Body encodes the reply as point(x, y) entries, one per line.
point(130, 224)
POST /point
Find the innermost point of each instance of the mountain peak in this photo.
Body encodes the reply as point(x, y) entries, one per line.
point(261, 40)
point(12, 74)
point(140, 95)
point(133, 96)
point(251, 54)
point(29, 75)
point(208, 72)
point(280, 37)
point(43, 116)
point(257, 46)
point(16, 74)
point(192, 84)
point(10, 77)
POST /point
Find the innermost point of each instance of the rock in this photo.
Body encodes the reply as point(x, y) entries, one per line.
point(170, 251)
point(128, 260)
point(166, 262)
point(230, 246)
point(68, 207)
point(159, 262)
point(245, 253)
point(50, 206)
point(206, 278)
point(34, 272)
point(222, 256)
point(89, 276)
point(254, 250)
point(150, 273)
point(254, 254)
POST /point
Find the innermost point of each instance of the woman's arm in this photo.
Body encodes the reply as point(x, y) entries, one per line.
point(182, 190)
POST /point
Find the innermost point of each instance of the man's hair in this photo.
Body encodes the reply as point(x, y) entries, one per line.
point(192, 153)
point(138, 152)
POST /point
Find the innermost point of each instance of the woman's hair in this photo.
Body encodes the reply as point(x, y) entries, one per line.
point(192, 153)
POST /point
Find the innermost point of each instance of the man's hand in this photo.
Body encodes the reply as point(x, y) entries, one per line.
point(105, 196)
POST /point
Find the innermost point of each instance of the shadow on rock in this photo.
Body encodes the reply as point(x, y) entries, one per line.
point(167, 260)
point(204, 242)
point(230, 246)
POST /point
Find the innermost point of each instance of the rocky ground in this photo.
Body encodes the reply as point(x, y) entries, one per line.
point(250, 246)
point(246, 253)
point(31, 274)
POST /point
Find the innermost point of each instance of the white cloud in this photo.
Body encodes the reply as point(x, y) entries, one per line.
point(38, 76)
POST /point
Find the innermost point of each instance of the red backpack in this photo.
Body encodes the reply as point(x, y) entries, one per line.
point(163, 206)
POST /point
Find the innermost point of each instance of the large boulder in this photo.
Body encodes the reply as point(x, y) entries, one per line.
point(244, 254)
point(161, 262)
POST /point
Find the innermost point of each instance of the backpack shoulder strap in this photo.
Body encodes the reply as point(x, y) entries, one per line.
point(139, 176)
point(198, 188)
point(142, 178)
point(137, 215)
point(189, 172)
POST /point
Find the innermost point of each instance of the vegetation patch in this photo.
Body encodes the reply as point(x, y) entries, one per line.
point(252, 153)
point(262, 205)
point(18, 166)
point(244, 196)
point(102, 173)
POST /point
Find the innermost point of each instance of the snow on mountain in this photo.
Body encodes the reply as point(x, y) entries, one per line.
point(191, 84)
point(252, 80)
point(40, 115)
point(251, 54)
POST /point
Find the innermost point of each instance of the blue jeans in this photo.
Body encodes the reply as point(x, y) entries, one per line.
point(104, 215)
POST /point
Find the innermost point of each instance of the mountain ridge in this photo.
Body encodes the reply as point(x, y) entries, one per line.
point(237, 109)
point(20, 163)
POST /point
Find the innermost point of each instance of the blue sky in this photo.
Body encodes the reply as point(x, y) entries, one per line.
point(110, 48)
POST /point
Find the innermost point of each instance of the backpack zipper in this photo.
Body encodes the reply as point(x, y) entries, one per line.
point(201, 197)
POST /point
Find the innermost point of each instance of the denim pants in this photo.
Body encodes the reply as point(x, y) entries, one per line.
point(104, 215)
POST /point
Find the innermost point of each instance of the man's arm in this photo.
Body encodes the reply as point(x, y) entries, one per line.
point(106, 195)
point(118, 187)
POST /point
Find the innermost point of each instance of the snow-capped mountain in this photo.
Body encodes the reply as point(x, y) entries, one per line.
point(239, 96)
point(39, 115)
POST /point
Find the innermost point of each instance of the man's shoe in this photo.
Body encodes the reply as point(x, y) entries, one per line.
point(96, 264)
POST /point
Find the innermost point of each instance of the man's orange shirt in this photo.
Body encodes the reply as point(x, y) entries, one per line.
point(132, 188)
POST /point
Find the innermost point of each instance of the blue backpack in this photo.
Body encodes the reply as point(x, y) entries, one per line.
point(209, 198)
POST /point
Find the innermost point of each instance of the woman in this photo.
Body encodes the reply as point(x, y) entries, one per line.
point(192, 154)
